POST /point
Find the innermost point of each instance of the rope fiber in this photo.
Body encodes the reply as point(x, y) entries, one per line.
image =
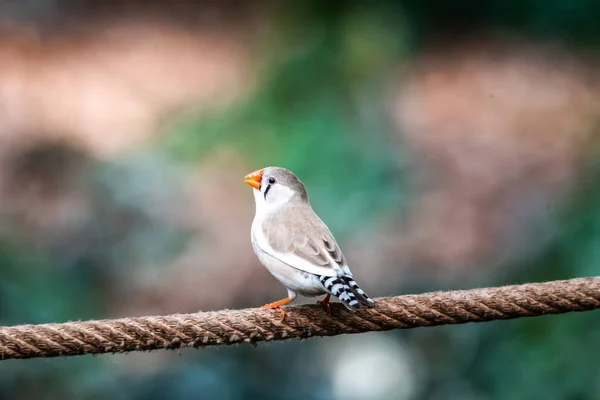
point(255, 325)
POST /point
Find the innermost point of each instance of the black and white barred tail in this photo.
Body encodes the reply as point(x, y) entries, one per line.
point(347, 290)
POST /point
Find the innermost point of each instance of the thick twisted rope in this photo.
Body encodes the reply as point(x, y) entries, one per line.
point(254, 325)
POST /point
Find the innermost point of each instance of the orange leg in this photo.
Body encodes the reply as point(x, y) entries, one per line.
point(325, 303)
point(277, 306)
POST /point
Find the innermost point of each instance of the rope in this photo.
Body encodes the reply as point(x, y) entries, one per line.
point(255, 325)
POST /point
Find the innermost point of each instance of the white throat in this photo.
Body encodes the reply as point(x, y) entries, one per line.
point(277, 197)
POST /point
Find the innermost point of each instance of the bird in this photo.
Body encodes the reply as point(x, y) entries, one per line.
point(296, 246)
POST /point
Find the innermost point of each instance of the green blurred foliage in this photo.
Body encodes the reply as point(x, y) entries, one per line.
point(318, 112)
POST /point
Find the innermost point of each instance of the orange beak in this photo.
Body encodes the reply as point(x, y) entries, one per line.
point(254, 179)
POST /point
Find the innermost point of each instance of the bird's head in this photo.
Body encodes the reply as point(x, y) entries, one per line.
point(274, 186)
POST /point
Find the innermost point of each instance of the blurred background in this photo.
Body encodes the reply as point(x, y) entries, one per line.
point(447, 145)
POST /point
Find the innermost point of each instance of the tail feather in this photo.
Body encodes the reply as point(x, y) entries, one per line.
point(360, 294)
point(346, 289)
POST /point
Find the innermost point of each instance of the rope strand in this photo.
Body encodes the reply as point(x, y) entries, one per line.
point(255, 325)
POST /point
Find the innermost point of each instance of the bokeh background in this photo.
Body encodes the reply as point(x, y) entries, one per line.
point(447, 144)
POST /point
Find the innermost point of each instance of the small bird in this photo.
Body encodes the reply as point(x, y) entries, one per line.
point(295, 245)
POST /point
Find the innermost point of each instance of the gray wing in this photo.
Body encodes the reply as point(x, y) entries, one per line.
point(297, 231)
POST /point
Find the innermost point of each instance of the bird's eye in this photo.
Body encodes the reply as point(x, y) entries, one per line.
point(271, 180)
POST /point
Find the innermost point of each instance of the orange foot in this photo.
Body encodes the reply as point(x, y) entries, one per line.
point(277, 306)
point(325, 303)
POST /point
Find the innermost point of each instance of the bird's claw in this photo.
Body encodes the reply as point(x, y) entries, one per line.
point(277, 306)
point(271, 306)
point(325, 303)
